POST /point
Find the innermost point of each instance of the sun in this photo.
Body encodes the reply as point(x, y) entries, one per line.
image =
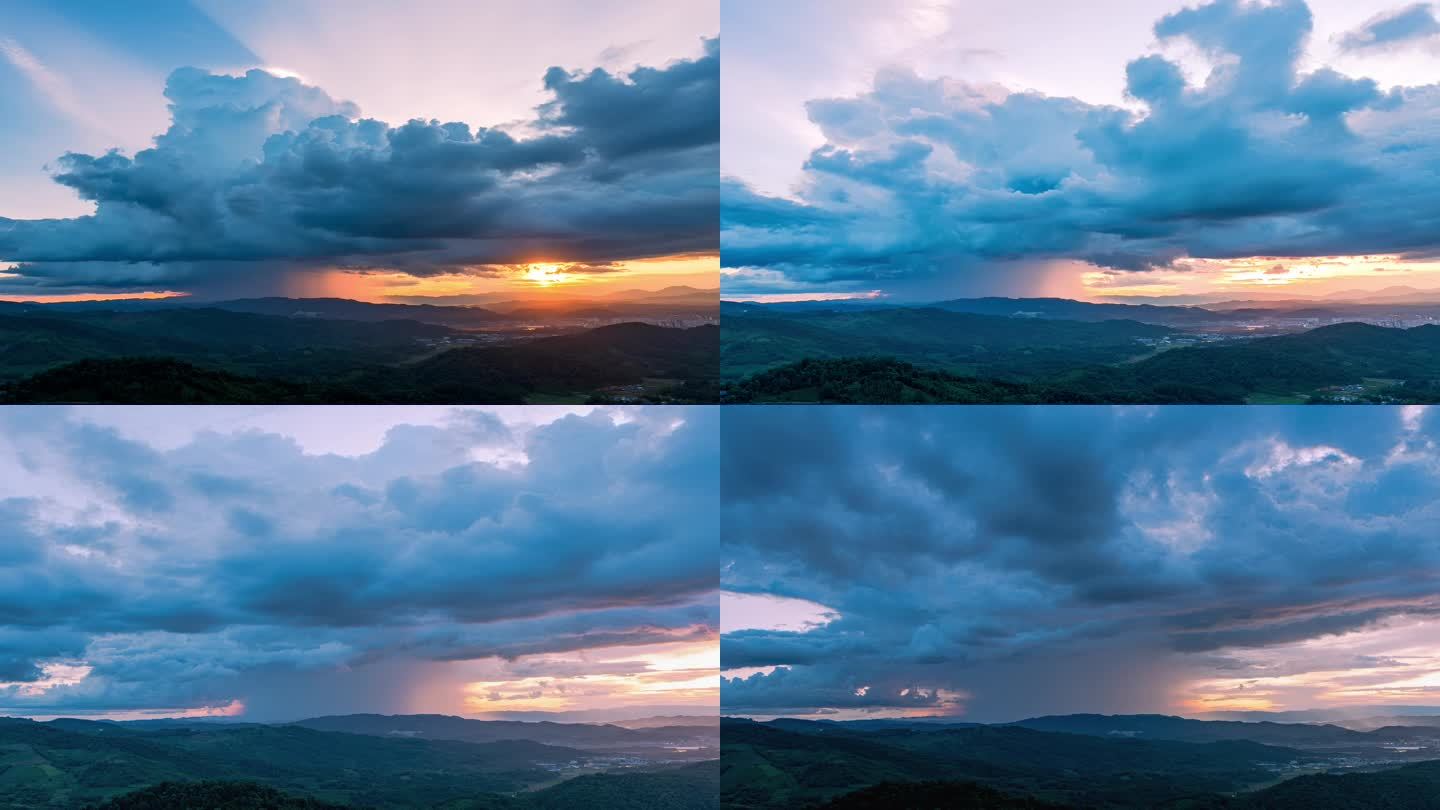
point(546, 275)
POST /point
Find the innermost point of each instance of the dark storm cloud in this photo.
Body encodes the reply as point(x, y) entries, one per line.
point(609, 627)
point(788, 690)
point(924, 178)
point(175, 573)
point(260, 175)
point(678, 106)
point(952, 544)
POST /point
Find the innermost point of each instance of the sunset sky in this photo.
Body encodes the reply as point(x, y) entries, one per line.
point(221, 148)
point(272, 564)
point(1185, 151)
point(993, 564)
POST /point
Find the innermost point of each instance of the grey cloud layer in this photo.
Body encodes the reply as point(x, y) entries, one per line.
point(1401, 27)
point(1024, 555)
point(258, 174)
point(179, 574)
point(927, 177)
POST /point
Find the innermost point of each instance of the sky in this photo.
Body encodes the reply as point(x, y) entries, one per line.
point(1114, 150)
point(221, 148)
point(995, 563)
point(271, 564)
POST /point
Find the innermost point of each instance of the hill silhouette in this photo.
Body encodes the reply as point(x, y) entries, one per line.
point(242, 358)
point(144, 380)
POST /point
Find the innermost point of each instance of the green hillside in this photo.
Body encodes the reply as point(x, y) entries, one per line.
point(692, 787)
point(212, 796)
point(41, 766)
point(142, 380)
point(860, 380)
point(212, 356)
point(1412, 787)
point(765, 767)
point(896, 355)
point(934, 796)
point(1298, 365)
point(962, 343)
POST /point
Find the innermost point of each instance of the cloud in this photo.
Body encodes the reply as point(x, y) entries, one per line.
point(177, 576)
point(956, 550)
point(932, 178)
point(1400, 27)
point(785, 689)
point(259, 176)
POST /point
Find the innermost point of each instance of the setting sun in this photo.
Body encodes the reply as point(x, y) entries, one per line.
point(546, 275)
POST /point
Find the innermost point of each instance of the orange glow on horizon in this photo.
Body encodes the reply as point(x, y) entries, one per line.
point(680, 673)
point(1401, 662)
point(1263, 277)
point(538, 280)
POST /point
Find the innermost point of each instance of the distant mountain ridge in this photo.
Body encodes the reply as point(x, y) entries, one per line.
point(479, 312)
point(670, 721)
point(346, 309)
point(1165, 727)
point(1337, 716)
point(1068, 309)
point(1148, 727)
point(450, 727)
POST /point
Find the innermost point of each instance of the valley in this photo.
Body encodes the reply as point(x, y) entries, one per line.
point(1055, 350)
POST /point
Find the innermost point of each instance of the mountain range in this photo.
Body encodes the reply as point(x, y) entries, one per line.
point(1056, 350)
point(186, 355)
point(458, 311)
point(421, 761)
point(1076, 761)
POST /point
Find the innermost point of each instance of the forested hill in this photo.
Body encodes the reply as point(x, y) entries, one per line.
point(692, 787)
point(1351, 362)
point(195, 356)
point(1411, 787)
point(958, 342)
point(1124, 762)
